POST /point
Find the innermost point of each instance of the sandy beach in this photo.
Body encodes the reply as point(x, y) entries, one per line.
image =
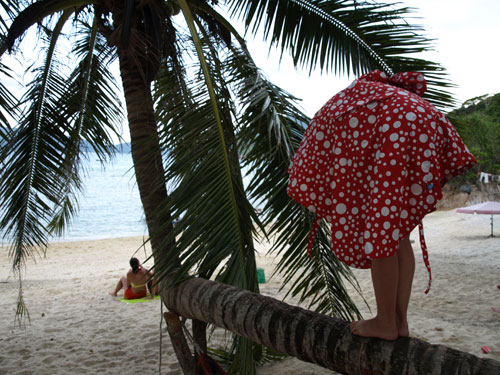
point(77, 328)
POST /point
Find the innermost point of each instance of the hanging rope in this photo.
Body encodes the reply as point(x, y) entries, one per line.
point(161, 334)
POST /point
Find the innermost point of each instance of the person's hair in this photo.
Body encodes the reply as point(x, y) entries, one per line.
point(134, 263)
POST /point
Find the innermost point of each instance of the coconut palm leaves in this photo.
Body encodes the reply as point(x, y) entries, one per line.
point(27, 179)
point(275, 120)
point(7, 105)
point(7, 99)
point(208, 201)
point(218, 121)
point(215, 220)
point(346, 36)
point(42, 153)
point(41, 170)
point(93, 108)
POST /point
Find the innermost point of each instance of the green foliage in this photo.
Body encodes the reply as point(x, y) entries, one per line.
point(262, 355)
point(478, 123)
point(488, 105)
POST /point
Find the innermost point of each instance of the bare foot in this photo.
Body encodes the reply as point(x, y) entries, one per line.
point(495, 309)
point(114, 294)
point(374, 328)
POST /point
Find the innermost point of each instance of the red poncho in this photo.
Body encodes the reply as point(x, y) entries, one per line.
point(372, 163)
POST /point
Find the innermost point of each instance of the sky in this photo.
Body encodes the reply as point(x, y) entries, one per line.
point(467, 34)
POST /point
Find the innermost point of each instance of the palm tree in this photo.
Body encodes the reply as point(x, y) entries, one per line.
point(199, 113)
point(317, 338)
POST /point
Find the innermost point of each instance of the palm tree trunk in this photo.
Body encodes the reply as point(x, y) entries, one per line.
point(150, 176)
point(314, 337)
point(146, 152)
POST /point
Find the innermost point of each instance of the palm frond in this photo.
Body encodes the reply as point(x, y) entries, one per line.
point(222, 23)
point(8, 108)
point(319, 280)
point(214, 229)
point(346, 37)
point(92, 100)
point(273, 127)
point(27, 179)
point(90, 104)
point(205, 192)
point(34, 14)
point(22, 312)
point(9, 9)
point(39, 179)
point(207, 168)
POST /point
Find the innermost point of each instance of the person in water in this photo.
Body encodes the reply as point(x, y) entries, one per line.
point(136, 282)
point(372, 163)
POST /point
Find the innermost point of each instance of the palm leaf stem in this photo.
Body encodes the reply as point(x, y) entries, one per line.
point(35, 13)
point(88, 75)
point(21, 308)
point(223, 22)
point(36, 137)
point(206, 72)
point(348, 32)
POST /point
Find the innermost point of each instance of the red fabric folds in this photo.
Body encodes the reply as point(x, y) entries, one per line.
point(372, 163)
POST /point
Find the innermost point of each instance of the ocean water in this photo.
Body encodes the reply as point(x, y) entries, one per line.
point(109, 206)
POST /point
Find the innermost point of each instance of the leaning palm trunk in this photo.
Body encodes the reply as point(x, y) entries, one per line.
point(314, 337)
point(146, 152)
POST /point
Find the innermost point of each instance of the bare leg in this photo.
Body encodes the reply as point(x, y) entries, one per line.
point(406, 271)
point(122, 283)
point(385, 276)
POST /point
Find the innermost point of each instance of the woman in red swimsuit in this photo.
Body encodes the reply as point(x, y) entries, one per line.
point(136, 282)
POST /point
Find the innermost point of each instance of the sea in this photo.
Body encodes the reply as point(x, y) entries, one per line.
point(109, 204)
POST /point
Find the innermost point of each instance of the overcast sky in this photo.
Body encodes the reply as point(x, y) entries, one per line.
point(467, 34)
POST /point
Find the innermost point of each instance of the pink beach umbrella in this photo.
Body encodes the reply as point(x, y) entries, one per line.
point(486, 208)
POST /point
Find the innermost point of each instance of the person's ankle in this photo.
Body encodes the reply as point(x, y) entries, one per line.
point(402, 326)
point(388, 322)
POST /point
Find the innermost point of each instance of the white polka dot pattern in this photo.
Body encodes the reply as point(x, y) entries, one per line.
point(373, 161)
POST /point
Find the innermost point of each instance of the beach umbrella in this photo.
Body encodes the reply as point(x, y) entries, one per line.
point(486, 208)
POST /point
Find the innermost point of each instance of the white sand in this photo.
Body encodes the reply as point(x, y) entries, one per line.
point(76, 327)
